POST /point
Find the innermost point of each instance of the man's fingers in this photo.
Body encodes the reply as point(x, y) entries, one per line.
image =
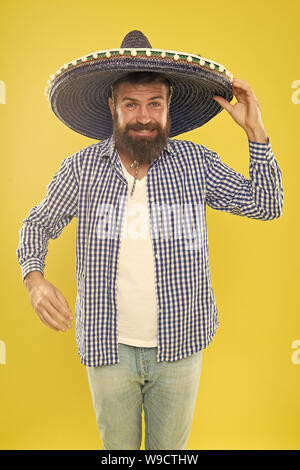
point(48, 320)
point(63, 301)
point(239, 88)
point(56, 315)
point(238, 85)
point(238, 82)
point(47, 324)
point(224, 103)
point(59, 305)
point(50, 305)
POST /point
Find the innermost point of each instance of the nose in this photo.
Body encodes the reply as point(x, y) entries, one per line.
point(143, 115)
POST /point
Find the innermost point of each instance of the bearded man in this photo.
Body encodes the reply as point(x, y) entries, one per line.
point(145, 308)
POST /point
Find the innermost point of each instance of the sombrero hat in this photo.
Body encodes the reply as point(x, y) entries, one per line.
point(78, 91)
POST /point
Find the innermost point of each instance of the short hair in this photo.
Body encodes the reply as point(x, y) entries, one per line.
point(141, 78)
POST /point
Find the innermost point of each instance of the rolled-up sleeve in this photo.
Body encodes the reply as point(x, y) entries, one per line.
point(47, 219)
point(259, 197)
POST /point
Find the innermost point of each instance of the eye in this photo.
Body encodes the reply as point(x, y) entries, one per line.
point(155, 104)
point(130, 105)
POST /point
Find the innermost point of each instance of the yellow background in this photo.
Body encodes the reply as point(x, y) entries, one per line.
point(249, 388)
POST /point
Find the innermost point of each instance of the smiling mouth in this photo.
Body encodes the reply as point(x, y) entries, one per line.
point(144, 132)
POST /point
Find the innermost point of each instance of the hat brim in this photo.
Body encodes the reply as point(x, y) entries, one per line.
point(79, 95)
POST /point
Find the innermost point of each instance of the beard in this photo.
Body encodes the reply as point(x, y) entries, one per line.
point(144, 149)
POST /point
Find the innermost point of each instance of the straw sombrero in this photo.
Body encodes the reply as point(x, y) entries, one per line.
point(78, 92)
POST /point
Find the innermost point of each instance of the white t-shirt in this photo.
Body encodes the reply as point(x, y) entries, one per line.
point(137, 307)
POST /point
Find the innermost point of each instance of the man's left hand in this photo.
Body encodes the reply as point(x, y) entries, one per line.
point(246, 112)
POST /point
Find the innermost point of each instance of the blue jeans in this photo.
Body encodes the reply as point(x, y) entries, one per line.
point(167, 390)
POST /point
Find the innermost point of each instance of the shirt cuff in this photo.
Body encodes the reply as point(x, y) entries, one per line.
point(260, 152)
point(33, 264)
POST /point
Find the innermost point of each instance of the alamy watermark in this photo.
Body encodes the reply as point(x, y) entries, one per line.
point(177, 221)
point(296, 354)
point(2, 352)
point(296, 93)
point(2, 92)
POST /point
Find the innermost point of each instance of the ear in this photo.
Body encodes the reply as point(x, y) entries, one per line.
point(111, 105)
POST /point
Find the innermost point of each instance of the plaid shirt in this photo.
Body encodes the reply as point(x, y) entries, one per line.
point(90, 185)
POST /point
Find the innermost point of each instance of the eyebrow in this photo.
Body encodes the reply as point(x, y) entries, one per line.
point(150, 99)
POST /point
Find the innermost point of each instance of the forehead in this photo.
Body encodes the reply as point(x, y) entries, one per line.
point(141, 91)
